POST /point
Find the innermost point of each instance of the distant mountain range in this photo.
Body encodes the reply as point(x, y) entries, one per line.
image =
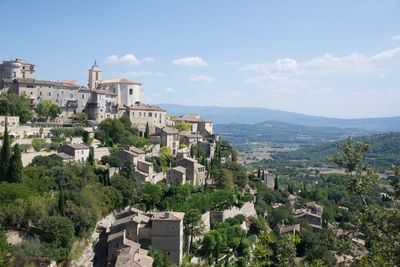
point(279, 133)
point(225, 115)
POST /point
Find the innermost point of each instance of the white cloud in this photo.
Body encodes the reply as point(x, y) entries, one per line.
point(170, 90)
point(396, 38)
point(190, 61)
point(145, 73)
point(129, 59)
point(202, 78)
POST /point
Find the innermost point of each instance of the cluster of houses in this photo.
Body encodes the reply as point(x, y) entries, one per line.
point(134, 230)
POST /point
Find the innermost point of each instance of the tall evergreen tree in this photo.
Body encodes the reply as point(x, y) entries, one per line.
point(15, 167)
point(276, 187)
point(259, 173)
point(90, 159)
point(5, 154)
point(147, 131)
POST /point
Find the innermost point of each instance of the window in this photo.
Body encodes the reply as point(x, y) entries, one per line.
point(150, 114)
point(40, 93)
point(83, 96)
point(131, 91)
point(49, 93)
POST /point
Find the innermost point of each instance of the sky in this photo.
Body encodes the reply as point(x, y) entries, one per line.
point(329, 58)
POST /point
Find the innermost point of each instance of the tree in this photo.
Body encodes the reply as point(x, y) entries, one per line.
point(111, 160)
point(81, 118)
point(276, 185)
point(15, 168)
point(90, 159)
point(165, 155)
point(15, 105)
point(126, 187)
point(183, 126)
point(47, 109)
point(128, 169)
point(147, 131)
point(5, 154)
point(193, 226)
point(208, 245)
point(86, 138)
point(38, 144)
point(379, 225)
point(258, 172)
point(58, 234)
point(285, 252)
point(4, 248)
point(151, 195)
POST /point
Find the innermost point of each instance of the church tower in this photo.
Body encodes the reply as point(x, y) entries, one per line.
point(94, 76)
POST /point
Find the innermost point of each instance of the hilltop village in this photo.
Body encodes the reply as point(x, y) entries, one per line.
point(93, 176)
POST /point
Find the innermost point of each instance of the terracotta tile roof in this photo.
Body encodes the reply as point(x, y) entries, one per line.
point(119, 80)
point(78, 146)
point(147, 107)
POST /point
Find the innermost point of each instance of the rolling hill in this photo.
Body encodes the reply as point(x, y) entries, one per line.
point(384, 151)
point(278, 133)
point(256, 115)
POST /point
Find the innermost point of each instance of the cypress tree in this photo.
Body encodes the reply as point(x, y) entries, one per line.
point(259, 173)
point(276, 182)
point(263, 175)
point(5, 154)
point(147, 131)
point(15, 168)
point(90, 159)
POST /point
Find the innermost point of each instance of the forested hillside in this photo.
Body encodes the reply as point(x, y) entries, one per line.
point(384, 151)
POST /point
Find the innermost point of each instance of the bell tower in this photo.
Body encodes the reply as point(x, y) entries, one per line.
point(94, 76)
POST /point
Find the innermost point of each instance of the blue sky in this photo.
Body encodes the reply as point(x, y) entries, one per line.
point(329, 58)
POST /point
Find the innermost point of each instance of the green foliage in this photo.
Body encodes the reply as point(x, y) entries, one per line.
point(151, 194)
point(47, 109)
point(119, 132)
point(58, 236)
point(4, 248)
point(38, 144)
point(183, 126)
point(5, 155)
point(81, 118)
point(15, 168)
point(14, 105)
point(147, 131)
point(111, 160)
point(126, 187)
point(159, 257)
point(67, 132)
point(127, 169)
point(86, 138)
point(47, 161)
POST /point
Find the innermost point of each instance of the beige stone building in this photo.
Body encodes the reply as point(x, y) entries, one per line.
point(169, 137)
point(198, 125)
point(176, 176)
point(162, 230)
point(79, 152)
point(195, 172)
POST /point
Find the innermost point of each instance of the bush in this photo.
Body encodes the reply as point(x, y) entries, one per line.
point(38, 144)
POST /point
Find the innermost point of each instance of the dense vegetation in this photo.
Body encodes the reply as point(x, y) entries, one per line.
point(383, 153)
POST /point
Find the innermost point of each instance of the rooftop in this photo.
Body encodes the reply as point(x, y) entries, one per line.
point(147, 107)
point(168, 216)
point(119, 80)
point(78, 146)
point(170, 130)
point(180, 169)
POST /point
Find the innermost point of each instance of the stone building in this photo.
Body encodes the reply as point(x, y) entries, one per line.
point(18, 68)
point(176, 176)
point(169, 137)
point(312, 212)
point(102, 99)
point(162, 230)
point(142, 115)
point(80, 152)
point(195, 172)
point(197, 124)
